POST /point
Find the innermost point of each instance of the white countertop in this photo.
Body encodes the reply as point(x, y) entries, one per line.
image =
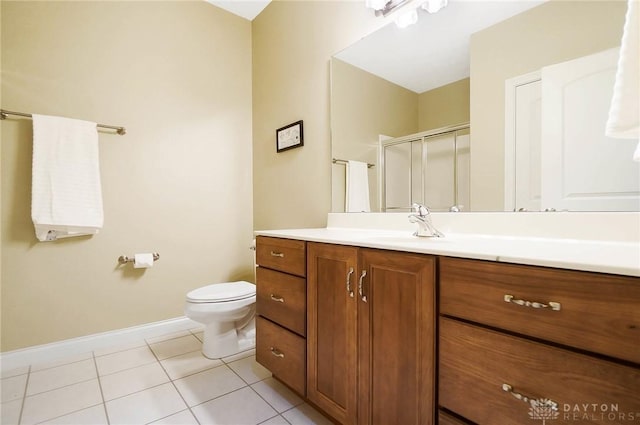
point(616, 257)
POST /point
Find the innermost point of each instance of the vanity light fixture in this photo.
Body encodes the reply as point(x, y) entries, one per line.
point(408, 17)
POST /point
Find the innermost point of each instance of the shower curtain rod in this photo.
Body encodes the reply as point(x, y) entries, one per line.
point(344, 161)
point(3, 115)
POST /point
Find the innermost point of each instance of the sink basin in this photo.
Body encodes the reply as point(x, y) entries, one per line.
point(410, 239)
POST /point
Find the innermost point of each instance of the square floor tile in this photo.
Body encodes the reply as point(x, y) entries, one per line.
point(62, 361)
point(181, 418)
point(145, 406)
point(13, 388)
point(112, 363)
point(240, 355)
point(61, 401)
point(305, 415)
point(188, 364)
point(277, 394)
point(176, 346)
point(167, 336)
point(94, 415)
point(10, 412)
point(14, 372)
point(249, 370)
point(207, 385)
point(132, 380)
point(276, 420)
point(120, 347)
point(61, 376)
point(242, 407)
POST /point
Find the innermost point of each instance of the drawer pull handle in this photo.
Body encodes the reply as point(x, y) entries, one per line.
point(533, 402)
point(349, 290)
point(276, 352)
point(360, 286)
point(533, 304)
point(276, 298)
point(277, 254)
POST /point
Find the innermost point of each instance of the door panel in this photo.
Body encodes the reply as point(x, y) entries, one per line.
point(582, 169)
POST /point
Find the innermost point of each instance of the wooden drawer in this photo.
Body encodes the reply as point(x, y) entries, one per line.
point(446, 419)
point(282, 352)
point(285, 255)
point(282, 298)
point(598, 312)
point(475, 363)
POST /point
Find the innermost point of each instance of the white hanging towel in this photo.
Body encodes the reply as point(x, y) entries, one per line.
point(624, 114)
point(66, 196)
point(357, 193)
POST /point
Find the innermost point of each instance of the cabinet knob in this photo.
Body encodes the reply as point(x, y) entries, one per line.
point(277, 254)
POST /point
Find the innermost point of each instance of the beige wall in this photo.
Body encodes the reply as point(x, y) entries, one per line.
point(554, 32)
point(444, 106)
point(292, 45)
point(178, 76)
point(364, 106)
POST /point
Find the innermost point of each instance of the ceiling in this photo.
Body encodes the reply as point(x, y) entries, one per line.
point(433, 52)
point(429, 54)
point(248, 9)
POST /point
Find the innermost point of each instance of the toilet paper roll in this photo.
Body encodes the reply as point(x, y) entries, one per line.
point(143, 261)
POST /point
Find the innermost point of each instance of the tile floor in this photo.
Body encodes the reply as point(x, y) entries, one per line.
point(163, 380)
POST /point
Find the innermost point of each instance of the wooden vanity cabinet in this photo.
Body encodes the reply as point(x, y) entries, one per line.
point(354, 331)
point(512, 333)
point(281, 309)
point(371, 334)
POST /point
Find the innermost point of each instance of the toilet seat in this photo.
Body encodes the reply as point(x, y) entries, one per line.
point(221, 292)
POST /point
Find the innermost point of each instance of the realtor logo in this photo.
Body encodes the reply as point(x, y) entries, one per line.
point(543, 409)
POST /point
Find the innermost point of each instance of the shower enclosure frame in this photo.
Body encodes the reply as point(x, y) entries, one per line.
point(423, 138)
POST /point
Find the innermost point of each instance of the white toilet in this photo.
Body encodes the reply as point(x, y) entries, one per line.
point(227, 310)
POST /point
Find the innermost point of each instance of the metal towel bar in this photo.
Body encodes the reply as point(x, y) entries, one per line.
point(344, 162)
point(3, 115)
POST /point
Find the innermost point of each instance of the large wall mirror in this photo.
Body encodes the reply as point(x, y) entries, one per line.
point(484, 106)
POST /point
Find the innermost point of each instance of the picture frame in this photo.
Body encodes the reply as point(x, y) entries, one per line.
point(289, 137)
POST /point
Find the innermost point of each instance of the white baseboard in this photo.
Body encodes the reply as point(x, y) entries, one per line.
point(57, 350)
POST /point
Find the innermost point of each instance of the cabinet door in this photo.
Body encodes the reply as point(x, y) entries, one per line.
point(331, 330)
point(396, 345)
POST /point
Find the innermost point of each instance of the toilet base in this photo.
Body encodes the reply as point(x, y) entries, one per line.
point(223, 339)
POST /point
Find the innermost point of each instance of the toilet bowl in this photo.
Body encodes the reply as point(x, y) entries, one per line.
point(227, 311)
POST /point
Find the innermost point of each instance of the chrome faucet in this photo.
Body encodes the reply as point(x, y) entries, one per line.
point(422, 217)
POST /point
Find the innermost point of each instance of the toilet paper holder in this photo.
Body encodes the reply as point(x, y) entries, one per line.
point(123, 259)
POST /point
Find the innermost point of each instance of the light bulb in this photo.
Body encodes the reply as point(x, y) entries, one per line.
point(376, 4)
point(432, 6)
point(407, 18)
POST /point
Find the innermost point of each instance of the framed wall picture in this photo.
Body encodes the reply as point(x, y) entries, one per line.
point(289, 137)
